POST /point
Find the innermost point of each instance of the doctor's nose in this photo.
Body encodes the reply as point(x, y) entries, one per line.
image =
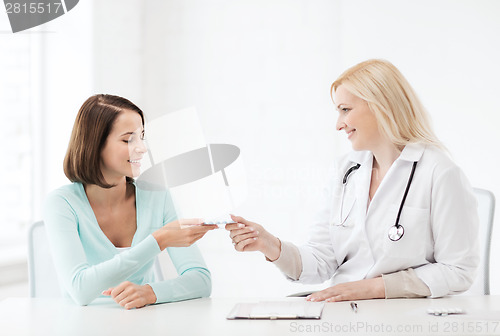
point(340, 123)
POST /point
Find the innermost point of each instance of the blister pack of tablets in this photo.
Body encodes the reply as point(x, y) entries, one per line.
point(212, 222)
point(444, 311)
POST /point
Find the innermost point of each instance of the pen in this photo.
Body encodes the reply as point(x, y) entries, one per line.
point(354, 307)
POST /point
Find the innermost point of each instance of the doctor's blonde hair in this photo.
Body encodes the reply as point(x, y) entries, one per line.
point(399, 112)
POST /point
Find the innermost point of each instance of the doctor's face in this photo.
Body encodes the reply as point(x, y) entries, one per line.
point(357, 120)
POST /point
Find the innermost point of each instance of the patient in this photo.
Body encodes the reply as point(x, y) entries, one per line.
point(104, 230)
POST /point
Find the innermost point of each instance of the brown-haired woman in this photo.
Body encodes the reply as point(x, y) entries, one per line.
point(104, 230)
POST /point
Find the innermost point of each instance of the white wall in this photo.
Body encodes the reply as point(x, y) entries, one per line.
point(259, 73)
point(66, 80)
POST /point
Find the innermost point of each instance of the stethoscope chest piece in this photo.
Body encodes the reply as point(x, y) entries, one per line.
point(396, 232)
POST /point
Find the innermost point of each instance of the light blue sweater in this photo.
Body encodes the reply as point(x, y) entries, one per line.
point(88, 263)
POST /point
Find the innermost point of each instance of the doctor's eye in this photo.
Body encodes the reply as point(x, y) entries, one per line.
point(345, 109)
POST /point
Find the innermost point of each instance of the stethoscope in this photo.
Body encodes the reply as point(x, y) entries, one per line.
point(396, 231)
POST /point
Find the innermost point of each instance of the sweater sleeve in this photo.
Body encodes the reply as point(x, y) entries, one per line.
point(194, 280)
point(289, 261)
point(404, 284)
point(85, 282)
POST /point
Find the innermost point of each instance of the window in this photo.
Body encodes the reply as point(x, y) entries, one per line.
point(17, 111)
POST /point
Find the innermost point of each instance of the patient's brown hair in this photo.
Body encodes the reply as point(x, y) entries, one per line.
point(93, 124)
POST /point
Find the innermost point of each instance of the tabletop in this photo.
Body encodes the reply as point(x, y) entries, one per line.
point(32, 316)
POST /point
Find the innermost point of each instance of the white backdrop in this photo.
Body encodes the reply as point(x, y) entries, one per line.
point(259, 73)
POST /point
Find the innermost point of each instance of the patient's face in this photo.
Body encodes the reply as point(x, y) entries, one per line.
point(124, 148)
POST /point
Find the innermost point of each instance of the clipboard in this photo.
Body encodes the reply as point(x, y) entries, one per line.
point(274, 310)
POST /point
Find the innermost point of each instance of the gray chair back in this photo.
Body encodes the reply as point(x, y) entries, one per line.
point(486, 210)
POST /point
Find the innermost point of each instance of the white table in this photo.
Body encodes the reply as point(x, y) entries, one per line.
point(25, 316)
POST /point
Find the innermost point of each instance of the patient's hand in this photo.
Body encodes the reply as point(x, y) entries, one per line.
point(129, 295)
point(181, 233)
point(355, 290)
point(250, 236)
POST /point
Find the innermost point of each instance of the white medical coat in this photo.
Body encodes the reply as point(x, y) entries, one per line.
point(439, 217)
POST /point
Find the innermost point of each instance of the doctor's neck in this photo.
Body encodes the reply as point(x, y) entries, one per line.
point(385, 155)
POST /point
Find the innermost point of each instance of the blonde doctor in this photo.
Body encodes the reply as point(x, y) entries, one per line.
point(399, 218)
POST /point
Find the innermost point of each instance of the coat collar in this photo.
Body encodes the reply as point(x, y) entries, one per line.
point(360, 157)
point(412, 152)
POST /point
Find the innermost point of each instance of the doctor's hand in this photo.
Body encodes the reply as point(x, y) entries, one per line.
point(181, 233)
point(129, 295)
point(355, 290)
point(250, 236)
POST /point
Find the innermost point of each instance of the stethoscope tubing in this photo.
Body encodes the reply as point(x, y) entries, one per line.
point(396, 231)
point(405, 194)
point(344, 183)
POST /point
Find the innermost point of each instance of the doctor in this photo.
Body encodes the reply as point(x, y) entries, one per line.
point(399, 218)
